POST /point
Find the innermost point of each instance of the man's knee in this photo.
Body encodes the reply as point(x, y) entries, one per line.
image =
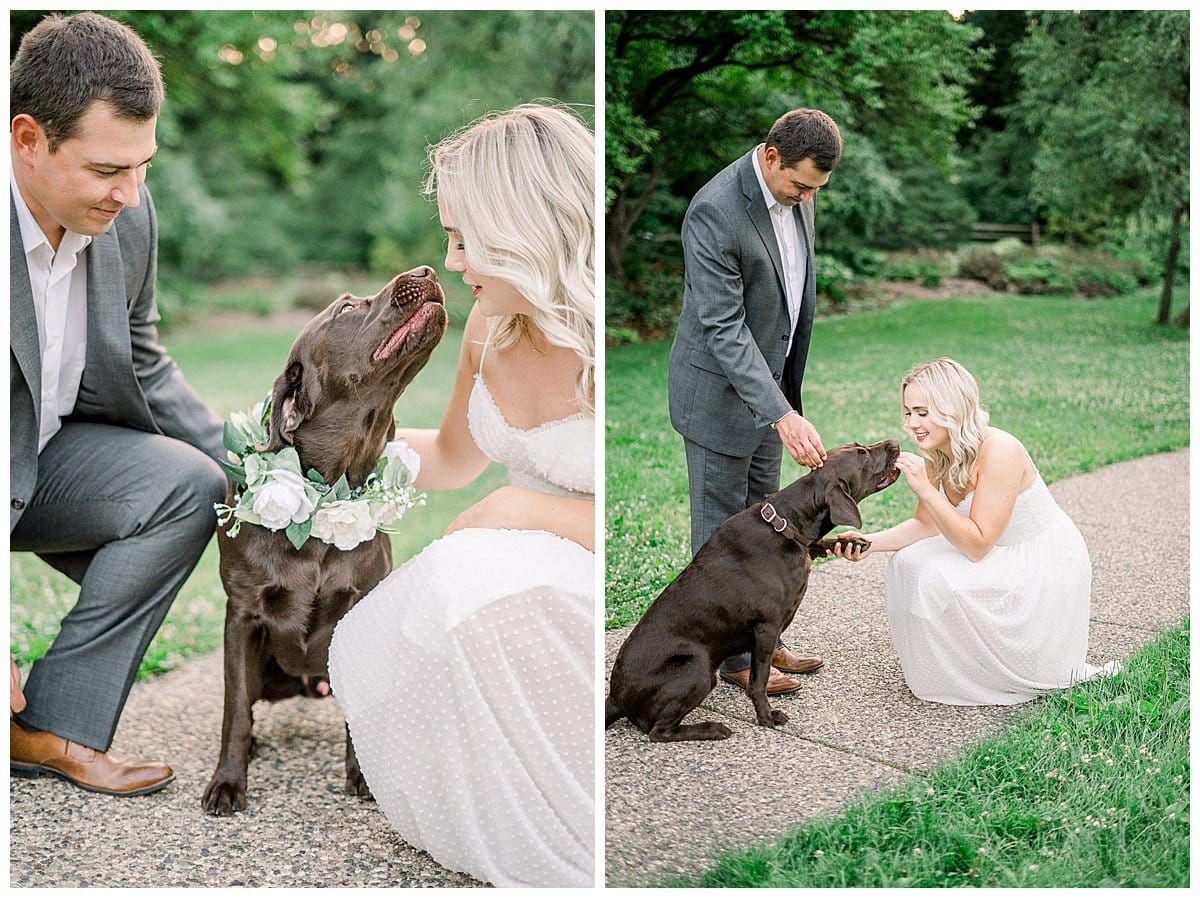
point(192, 483)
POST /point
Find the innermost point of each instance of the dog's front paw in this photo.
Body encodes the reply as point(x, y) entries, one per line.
point(223, 797)
point(842, 544)
point(778, 717)
point(356, 784)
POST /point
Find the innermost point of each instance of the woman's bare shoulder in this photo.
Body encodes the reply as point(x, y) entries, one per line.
point(1001, 450)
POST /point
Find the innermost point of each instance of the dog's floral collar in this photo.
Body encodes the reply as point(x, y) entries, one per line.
point(271, 491)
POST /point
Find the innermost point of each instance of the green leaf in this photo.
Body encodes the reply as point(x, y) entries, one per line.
point(235, 440)
point(341, 489)
point(315, 476)
point(298, 534)
point(233, 472)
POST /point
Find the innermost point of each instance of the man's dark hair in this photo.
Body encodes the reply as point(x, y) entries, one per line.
point(65, 63)
point(806, 134)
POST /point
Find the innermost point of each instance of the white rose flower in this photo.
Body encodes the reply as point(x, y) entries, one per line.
point(403, 453)
point(282, 500)
point(344, 524)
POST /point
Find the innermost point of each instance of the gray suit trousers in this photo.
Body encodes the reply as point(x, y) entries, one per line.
point(722, 485)
point(126, 515)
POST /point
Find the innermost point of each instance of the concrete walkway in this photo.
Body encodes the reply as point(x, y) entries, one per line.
point(670, 808)
point(300, 828)
point(855, 727)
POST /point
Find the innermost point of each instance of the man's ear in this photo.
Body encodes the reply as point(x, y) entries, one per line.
point(843, 510)
point(27, 135)
point(293, 398)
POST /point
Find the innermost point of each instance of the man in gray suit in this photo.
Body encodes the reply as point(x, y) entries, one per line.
point(738, 359)
point(112, 477)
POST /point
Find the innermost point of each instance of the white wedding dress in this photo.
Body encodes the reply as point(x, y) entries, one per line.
point(1002, 630)
point(467, 678)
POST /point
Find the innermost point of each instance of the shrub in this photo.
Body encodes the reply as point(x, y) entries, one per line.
point(982, 264)
point(926, 266)
point(835, 280)
point(649, 304)
point(1033, 274)
point(864, 261)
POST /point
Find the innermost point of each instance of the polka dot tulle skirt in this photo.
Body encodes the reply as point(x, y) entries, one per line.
point(467, 680)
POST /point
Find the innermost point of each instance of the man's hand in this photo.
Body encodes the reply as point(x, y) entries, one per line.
point(16, 698)
point(801, 439)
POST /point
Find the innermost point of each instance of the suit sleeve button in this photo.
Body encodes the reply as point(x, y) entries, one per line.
point(18, 504)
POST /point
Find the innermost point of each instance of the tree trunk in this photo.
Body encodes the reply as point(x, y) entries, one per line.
point(619, 224)
point(1164, 303)
point(616, 238)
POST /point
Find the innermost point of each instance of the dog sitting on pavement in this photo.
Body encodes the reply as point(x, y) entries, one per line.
point(737, 595)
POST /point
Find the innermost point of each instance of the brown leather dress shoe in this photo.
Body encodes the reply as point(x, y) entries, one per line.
point(777, 683)
point(789, 662)
point(37, 753)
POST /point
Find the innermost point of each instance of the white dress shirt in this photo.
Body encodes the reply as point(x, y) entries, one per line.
point(59, 282)
point(795, 262)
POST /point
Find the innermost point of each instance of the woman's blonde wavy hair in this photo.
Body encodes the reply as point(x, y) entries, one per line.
point(520, 187)
point(952, 397)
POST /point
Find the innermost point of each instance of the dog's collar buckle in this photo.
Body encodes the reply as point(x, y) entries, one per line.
point(774, 518)
point(780, 524)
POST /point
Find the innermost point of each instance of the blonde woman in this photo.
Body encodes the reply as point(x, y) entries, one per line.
point(467, 676)
point(988, 592)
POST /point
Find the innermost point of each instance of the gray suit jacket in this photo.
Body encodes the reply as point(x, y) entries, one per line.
point(726, 371)
point(128, 379)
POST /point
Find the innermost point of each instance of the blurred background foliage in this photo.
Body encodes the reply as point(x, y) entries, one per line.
point(294, 142)
point(1076, 122)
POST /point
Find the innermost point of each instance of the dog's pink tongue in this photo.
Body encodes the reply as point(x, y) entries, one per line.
point(322, 688)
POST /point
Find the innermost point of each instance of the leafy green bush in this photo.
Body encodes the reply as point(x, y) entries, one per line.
point(982, 263)
point(1032, 274)
point(926, 266)
point(1054, 269)
point(864, 261)
point(835, 280)
point(649, 304)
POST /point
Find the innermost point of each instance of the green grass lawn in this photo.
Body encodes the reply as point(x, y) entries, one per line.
point(1082, 382)
point(1090, 789)
point(232, 363)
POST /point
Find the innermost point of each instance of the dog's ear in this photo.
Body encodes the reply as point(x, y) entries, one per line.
point(843, 510)
point(293, 398)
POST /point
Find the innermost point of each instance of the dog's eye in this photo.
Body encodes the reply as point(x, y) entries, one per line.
point(345, 307)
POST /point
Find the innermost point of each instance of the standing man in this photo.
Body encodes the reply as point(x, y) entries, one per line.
point(737, 362)
point(112, 476)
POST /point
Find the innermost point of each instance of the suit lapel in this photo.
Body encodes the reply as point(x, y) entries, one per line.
point(108, 386)
point(22, 320)
point(756, 208)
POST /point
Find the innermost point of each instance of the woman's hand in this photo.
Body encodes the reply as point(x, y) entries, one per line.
point(16, 698)
point(517, 508)
point(916, 478)
point(848, 550)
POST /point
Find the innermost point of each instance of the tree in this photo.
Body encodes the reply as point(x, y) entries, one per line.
point(300, 136)
point(688, 92)
point(1107, 95)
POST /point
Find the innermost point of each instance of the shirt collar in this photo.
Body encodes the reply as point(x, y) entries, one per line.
point(32, 235)
point(773, 205)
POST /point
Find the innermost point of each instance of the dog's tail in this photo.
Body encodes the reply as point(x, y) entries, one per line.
point(611, 712)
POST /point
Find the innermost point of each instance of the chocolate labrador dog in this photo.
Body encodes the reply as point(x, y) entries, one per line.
point(737, 595)
point(333, 402)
